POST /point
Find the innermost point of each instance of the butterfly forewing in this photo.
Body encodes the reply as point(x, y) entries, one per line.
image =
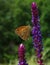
point(23, 32)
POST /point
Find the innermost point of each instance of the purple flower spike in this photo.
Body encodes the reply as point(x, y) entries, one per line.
point(21, 55)
point(36, 33)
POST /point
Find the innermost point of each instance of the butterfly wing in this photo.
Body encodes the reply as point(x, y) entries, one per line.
point(23, 32)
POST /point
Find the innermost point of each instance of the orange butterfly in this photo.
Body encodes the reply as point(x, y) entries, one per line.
point(23, 32)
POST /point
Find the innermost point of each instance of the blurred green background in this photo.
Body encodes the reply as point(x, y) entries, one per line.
point(15, 13)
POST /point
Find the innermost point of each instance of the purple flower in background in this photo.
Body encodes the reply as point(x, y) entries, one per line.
point(21, 55)
point(36, 33)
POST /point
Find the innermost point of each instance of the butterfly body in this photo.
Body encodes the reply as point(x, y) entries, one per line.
point(23, 32)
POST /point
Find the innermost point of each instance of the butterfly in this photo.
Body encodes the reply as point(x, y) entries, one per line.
point(23, 32)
